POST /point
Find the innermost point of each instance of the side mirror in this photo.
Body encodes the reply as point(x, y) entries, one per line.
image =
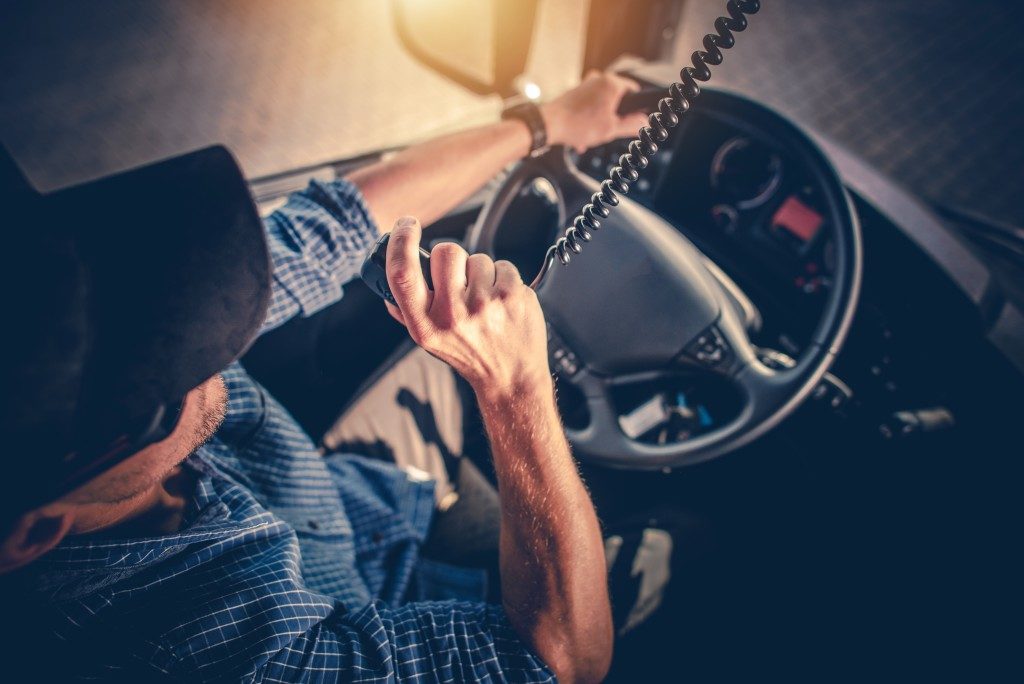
point(482, 45)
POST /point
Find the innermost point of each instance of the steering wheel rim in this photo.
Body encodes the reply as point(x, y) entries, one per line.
point(769, 396)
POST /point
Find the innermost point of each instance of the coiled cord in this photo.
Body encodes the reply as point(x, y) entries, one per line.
point(645, 145)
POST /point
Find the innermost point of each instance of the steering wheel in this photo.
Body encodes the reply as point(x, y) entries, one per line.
point(641, 302)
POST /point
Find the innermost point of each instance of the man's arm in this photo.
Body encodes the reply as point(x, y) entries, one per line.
point(423, 642)
point(553, 579)
point(317, 242)
point(483, 321)
point(429, 179)
point(283, 632)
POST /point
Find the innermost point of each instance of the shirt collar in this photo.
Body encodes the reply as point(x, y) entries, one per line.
point(82, 564)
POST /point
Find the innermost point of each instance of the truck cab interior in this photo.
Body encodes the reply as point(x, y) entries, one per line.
point(847, 185)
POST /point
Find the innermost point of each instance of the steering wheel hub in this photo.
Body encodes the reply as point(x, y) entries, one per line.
point(609, 305)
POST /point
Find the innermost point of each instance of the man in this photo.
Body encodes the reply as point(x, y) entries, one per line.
point(164, 516)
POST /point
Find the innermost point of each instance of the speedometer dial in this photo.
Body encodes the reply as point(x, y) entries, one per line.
point(746, 172)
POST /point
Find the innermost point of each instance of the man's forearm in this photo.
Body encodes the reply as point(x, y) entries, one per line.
point(552, 559)
point(429, 179)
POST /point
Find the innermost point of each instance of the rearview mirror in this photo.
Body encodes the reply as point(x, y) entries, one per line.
point(482, 45)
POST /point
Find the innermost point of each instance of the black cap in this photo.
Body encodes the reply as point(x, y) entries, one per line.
point(122, 295)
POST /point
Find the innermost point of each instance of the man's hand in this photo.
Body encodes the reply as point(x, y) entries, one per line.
point(587, 115)
point(481, 319)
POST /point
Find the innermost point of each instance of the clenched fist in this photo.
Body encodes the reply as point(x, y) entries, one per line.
point(587, 115)
point(481, 319)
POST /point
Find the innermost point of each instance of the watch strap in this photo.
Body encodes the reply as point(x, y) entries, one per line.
point(529, 113)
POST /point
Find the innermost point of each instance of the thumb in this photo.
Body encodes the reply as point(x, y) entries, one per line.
point(405, 275)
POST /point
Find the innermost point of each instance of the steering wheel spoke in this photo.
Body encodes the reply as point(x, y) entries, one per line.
point(605, 426)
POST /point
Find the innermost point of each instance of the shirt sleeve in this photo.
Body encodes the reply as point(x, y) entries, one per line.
point(424, 642)
point(317, 242)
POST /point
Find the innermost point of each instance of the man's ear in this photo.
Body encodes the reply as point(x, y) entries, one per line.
point(32, 535)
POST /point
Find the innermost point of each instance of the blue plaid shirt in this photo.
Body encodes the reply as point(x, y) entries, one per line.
point(289, 566)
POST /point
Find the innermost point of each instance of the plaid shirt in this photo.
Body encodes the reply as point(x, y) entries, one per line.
point(289, 566)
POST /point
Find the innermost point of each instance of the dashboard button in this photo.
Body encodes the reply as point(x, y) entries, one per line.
point(561, 358)
point(709, 348)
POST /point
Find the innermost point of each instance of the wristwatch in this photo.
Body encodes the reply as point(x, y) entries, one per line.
point(529, 114)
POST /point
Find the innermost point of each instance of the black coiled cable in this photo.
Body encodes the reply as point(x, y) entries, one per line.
point(645, 146)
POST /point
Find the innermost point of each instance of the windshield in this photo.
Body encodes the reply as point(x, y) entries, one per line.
point(89, 89)
point(92, 89)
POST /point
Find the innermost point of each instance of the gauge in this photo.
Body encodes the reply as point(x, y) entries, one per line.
point(725, 217)
point(746, 172)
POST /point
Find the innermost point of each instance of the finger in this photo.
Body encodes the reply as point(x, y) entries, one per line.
point(628, 126)
point(629, 84)
point(405, 275)
point(480, 272)
point(448, 270)
point(395, 312)
point(506, 276)
point(625, 83)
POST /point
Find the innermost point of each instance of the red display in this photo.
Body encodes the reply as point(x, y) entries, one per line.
point(798, 219)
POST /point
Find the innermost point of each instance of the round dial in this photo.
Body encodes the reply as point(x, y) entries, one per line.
point(725, 217)
point(745, 172)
